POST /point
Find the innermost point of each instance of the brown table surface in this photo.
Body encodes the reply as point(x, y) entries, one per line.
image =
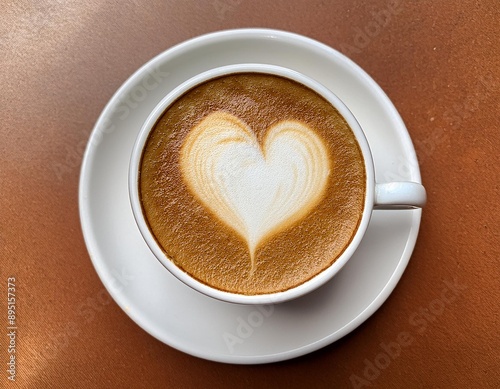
point(61, 61)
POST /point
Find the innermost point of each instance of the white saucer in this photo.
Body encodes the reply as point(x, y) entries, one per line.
point(199, 325)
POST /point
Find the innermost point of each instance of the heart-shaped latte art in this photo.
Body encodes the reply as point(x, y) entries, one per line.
point(256, 190)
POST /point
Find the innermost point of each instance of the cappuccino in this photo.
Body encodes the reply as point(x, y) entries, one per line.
point(252, 183)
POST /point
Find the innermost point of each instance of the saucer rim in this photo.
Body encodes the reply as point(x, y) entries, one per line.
point(194, 44)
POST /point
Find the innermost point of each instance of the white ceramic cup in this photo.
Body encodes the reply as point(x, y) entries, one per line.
point(391, 195)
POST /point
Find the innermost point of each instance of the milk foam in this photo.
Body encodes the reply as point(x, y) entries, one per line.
point(256, 190)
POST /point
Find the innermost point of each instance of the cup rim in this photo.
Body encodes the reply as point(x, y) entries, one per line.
point(269, 298)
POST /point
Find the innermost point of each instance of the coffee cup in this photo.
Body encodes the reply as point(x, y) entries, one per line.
point(254, 184)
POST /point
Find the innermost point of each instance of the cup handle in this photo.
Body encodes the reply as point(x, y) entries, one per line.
point(399, 195)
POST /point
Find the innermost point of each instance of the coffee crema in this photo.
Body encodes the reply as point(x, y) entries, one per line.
point(252, 183)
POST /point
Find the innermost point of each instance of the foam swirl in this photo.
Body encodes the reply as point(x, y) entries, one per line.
point(257, 191)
